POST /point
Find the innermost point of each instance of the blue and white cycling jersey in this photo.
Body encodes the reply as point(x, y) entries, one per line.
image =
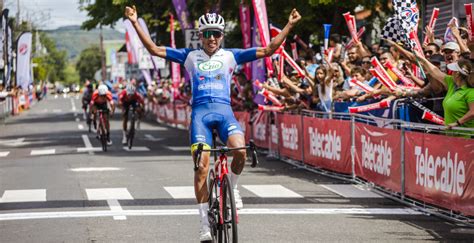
point(211, 76)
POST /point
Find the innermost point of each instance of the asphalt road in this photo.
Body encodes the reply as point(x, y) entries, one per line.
point(57, 186)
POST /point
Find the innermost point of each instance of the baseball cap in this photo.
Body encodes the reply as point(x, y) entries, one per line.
point(461, 66)
point(452, 46)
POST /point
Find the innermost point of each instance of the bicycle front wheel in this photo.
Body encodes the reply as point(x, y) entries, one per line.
point(103, 137)
point(131, 133)
point(213, 213)
point(229, 212)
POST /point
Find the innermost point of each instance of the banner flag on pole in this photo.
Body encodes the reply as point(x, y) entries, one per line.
point(245, 26)
point(260, 10)
point(183, 14)
point(23, 60)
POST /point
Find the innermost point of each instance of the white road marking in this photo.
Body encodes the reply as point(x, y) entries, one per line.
point(4, 154)
point(36, 195)
point(87, 144)
point(151, 138)
point(57, 110)
point(272, 191)
point(180, 192)
point(80, 126)
point(43, 152)
point(93, 169)
point(181, 212)
point(115, 207)
point(73, 105)
point(13, 142)
point(159, 128)
point(351, 191)
point(137, 149)
point(93, 149)
point(179, 148)
point(108, 193)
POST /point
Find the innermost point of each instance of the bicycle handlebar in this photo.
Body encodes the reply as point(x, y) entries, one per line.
point(251, 146)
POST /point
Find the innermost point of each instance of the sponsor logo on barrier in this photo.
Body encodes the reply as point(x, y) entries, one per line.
point(289, 136)
point(181, 115)
point(260, 132)
point(274, 133)
point(376, 157)
point(324, 145)
point(442, 173)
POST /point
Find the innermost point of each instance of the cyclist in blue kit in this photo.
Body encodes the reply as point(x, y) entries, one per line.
point(211, 69)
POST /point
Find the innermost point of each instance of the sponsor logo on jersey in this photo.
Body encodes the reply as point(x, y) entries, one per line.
point(210, 66)
point(201, 78)
point(210, 86)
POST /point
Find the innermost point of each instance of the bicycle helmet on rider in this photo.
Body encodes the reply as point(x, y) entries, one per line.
point(211, 21)
point(102, 89)
point(130, 89)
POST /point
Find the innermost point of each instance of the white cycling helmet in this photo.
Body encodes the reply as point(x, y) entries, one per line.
point(130, 89)
point(211, 21)
point(102, 89)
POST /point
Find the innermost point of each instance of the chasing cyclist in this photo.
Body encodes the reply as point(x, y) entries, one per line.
point(211, 69)
point(129, 97)
point(86, 100)
point(101, 100)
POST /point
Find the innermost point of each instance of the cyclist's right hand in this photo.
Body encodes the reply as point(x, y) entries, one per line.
point(131, 13)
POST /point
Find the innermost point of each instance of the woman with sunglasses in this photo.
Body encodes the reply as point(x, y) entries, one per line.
point(211, 69)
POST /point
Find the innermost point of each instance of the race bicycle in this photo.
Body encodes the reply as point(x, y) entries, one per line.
point(222, 212)
point(102, 130)
point(131, 130)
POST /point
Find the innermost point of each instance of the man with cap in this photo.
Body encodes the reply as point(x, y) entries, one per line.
point(451, 52)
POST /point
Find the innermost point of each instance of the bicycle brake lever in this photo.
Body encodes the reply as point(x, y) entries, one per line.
point(198, 157)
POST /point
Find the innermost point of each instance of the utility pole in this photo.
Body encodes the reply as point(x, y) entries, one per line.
point(18, 14)
point(102, 56)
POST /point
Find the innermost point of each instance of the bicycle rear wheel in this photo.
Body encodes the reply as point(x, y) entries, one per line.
point(213, 213)
point(229, 213)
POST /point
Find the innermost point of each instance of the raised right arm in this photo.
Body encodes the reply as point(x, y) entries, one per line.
point(131, 14)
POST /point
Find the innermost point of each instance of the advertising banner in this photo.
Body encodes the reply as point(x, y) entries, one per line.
point(260, 129)
point(327, 144)
point(243, 118)
point(23, 61)
point(291, 137)
point(439, 170)
point(378, 155)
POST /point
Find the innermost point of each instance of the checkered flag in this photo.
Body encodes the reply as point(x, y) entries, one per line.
point(393, 31)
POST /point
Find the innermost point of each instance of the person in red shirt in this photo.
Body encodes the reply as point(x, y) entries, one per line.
point(130, 97)
point(102, 99)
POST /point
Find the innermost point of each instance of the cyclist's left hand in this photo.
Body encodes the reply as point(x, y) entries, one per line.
point(294, 17)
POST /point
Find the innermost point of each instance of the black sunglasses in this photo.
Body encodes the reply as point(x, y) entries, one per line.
point(430, 52)
point(208, 33)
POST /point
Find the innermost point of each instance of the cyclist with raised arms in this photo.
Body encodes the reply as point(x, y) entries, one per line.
point(211, 69)
point(130, 97)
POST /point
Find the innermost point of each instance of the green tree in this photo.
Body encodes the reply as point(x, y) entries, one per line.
point(50, 65)
point(89, 62)
point(314, 13)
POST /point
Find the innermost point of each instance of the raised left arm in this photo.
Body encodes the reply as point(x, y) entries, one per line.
point(278, 40)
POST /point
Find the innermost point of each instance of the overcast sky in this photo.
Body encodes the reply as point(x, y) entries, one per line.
point(49, 14)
